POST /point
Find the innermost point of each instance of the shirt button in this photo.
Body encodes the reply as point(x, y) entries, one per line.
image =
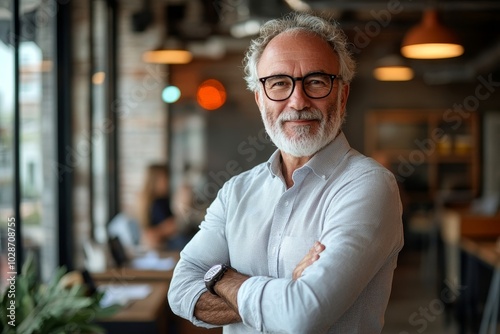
point(286, 203)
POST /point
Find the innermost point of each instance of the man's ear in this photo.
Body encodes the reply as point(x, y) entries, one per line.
point(344, 96)
point(257, 98)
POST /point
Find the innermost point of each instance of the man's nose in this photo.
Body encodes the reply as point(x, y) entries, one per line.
point(299, 100)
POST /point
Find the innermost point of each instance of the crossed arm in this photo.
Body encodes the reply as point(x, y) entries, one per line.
point(223, 309)
point(361, 247)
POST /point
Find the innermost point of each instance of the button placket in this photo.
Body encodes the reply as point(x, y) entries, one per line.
point(281, 217)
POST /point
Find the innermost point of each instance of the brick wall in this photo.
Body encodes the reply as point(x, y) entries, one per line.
point(142, 134)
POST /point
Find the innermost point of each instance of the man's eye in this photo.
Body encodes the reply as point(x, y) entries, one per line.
point(278, 83)
point(316, 83)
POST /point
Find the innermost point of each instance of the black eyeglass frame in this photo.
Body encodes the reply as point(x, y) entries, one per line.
point(294, 80)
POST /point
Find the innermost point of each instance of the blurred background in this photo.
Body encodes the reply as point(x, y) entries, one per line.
point(87, 104)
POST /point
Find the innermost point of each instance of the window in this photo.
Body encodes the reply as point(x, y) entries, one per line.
point(28, 151)
point(103, 119)
point(7, 106)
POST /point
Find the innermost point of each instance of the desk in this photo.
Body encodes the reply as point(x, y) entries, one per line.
point(151, 315)
point(129, 274)
point(143, 316)
point(477, 226)
point(484, 249)
point(487, 251)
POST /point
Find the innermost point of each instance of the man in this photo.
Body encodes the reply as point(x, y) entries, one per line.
point(308, 241)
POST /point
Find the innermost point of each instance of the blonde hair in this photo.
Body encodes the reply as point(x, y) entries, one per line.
point(149, 191)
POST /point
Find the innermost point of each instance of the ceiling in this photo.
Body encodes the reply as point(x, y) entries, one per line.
point(374, 27)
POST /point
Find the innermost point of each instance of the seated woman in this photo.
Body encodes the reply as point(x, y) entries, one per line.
point(159, 227)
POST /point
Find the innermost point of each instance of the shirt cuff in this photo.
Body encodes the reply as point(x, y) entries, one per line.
point(249, 301)
point(195, 320)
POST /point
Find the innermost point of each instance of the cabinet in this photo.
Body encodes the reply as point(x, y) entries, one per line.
point(427, 150)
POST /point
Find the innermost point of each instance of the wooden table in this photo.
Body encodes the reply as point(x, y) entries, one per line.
point(479, 226)
point(129, 274)
point(487, 250)
point(150, 315)
point(143, 316)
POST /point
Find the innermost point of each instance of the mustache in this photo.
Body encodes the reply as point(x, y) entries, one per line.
point(294, 115)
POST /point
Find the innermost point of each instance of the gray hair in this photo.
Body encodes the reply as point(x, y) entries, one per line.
point(328, 30)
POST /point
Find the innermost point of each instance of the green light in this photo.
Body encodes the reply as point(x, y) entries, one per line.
point(170, 94)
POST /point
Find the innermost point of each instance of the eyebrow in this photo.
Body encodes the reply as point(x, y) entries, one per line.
point(310, 72)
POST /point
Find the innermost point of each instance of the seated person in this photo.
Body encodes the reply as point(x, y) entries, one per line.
point(158, 223)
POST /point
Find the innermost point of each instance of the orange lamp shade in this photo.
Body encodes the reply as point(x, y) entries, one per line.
point(211, 94)
point(431, 40)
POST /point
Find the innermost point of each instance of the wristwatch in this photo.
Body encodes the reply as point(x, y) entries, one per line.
point(213, 275)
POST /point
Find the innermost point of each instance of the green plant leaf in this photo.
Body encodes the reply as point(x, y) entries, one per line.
point(50, 308)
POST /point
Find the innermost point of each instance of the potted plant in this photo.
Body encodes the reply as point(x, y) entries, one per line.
point(54, 307)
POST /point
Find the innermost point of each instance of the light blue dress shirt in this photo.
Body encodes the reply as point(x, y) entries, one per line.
point(347, 201)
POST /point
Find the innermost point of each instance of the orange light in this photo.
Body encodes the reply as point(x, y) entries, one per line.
point(431, 40)
point(211, 94)
point(164, 56)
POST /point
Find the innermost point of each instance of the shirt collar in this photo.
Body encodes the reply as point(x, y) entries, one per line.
point(274, 163)
point(322, 163)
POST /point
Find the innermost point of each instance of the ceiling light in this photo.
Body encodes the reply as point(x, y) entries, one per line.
point(211, 94)
point(98, 78)
point(170, 94)
point(169, 51)
point(431, 40)
point(167, 56)
point(392, 68)
point(393, 73)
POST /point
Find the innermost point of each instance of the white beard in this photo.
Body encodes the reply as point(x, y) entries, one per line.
point(303, 143)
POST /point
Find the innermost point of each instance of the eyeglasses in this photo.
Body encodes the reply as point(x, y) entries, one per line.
point(280, 87)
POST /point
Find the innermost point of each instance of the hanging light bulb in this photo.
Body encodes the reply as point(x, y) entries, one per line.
point(392, 68)
point(170, 52)
point(171, 49)
point(165, 56)
point(431, 40)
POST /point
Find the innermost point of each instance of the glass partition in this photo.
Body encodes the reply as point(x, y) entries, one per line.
point(100, 123)
point(7, 215)
point(36, 131)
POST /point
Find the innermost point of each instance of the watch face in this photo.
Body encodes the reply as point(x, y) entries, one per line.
point(213, 272)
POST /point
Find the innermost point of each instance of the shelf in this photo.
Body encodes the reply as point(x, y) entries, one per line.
point(426, 153)
point(464, 159)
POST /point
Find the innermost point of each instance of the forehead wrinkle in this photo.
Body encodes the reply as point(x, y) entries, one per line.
point(310, 50)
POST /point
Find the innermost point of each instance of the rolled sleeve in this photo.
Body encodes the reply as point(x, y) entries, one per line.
point(251, 293)
point(206, 248)
point(263, 229)
point(362, 239)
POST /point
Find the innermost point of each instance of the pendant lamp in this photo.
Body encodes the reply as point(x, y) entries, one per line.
point(392, 68)
point(171, 49)
point(167, 56)
point(431, 40)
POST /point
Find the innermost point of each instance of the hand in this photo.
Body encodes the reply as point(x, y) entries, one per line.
point(310, 258)
point(150, 238)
